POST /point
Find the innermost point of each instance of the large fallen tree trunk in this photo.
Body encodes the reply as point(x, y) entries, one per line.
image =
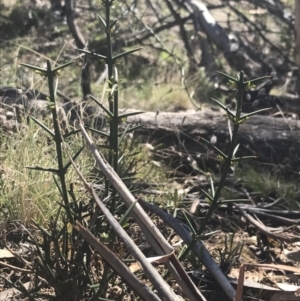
point(272, 139)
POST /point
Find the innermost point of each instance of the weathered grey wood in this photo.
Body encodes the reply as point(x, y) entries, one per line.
point(273, 139)
point(235, 51)
point(16, 103)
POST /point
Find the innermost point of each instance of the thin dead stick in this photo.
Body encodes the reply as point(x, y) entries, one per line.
point(285, 220)
point(145, 223)
point(143, 290)
point(164, 290)
point(154, 236)
point(272, 266)
point(261, 227)
point(15, 268)
point(19, 257)
point(199, 248)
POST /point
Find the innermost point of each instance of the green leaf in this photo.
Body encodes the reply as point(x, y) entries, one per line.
point(53, 170)
point(256, 112)
point(71, 133)
point(212, 186)
point(118, 56)
point(113, 23)
point(59, 189)
point(125, 115)
point(62, 66)
point(124, 217)
point(99, 132)
point(104, 146)
point(74, 158)
point(228, 77)
point(37, 70)
point(128, 179)
point(123, 135)
point(113, 89)
point(228, 111)
point(233, 201)
point(102, 57)
point(214, 148)
point(43, 126)
point(194, 233)
point(108, 112)
point(120, 160)
point(235, 150)
point(102, 20)
point(239, 159)
point(133, 129)
point(207, 195)
point(257, 79)
point(133, 154)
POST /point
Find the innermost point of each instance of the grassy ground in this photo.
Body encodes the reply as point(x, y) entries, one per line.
point(154, 86)
point(28, 194)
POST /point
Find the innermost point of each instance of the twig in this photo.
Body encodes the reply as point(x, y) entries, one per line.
point(199, 247)
point(163, 288)
point(155, 237)
point(142, 289)
point(261, 227)
point(15, 268)
point(277, 218)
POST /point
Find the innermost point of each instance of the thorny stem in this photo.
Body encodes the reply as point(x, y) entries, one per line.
point(227, 165)
point(59, 152)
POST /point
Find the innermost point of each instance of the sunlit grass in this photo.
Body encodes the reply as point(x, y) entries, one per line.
point(27, 193)
point(265, 183)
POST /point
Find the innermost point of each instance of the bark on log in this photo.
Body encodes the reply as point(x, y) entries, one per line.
point(275, 140)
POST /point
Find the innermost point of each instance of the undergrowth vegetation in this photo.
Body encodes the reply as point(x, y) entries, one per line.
point(81, 191)
point(265, 183)
point(27, 194)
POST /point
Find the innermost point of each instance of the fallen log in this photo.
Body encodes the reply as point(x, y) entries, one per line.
point(273, 139)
